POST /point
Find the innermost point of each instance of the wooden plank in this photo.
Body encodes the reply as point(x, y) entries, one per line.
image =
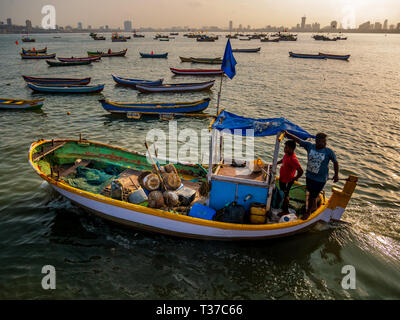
point(70, 169)
point(47, 150)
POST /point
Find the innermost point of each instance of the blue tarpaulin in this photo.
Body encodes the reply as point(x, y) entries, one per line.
point(262, 127)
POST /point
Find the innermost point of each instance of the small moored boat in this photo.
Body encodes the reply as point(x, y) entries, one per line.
point(155, 107)
point(67, 64)
point(37, 56)
point(81, 59)
point(82, 81)
point(197, 72)
point(133, 82)
point(306, 56)
point(25, 51)
point(65, 89)
point(20, 104)
point(121, 53)
point(176, 87)
point(153, 55)
point(247, 50)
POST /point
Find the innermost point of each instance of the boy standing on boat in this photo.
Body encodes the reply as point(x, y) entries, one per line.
point(287, 173)
point(317, 167)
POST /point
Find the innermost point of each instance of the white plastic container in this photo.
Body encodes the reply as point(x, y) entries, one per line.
point(288, 218)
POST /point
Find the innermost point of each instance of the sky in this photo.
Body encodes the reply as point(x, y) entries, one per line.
point(199, 13)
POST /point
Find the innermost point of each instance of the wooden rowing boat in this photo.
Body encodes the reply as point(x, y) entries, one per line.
point(81, 59)
point(60, 162)
point(270, 40)
point(149, 55)
point(67, 64)
point(306, 55)
point(202, 60)
point(27, 39)
point(197, 72)
point(176, 87)
point(247, 50)
point(37, 56)
point(66, 81)
point(121, 53)
point(155, 107)
point(133, 82)
point(335, 56)
point(20, 104)
point(65, 89)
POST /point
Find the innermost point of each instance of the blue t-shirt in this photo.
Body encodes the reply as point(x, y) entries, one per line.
point(318, 161)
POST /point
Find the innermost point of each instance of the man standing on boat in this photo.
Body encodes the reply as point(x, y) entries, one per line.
point(317, 167)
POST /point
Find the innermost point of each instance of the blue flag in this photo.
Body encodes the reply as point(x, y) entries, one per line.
point(229, 62)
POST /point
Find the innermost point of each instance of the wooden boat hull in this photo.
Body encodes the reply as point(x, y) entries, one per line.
point(197, 72)
point(65, 89)
point(182, 87)
point(202, 60)
point(17, 104)
point(246, 50)
point(306, 56)
point(166, 222)
point(270, 40)
point(106, 54)
point(28, 40)
point(156, 108)
point(335, 56)
point(154, 56)
point(65, 81)
point(67, 64)
point(133, 82)
point(38, 56)
point(83, 59)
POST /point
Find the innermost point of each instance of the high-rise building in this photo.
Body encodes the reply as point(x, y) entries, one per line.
point(107, 28)
point(378, 26)
point(334, 25)
point(230, 25)
point(89, 27)
point(128, 26)
point(385, 24)
point(9, 22)
point(240, 27)
point(365, 26)
point(303, 22)
point(398, 26)
point(80, 25)
point(28, 24)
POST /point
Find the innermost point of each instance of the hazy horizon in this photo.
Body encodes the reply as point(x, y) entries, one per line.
point(199, 13)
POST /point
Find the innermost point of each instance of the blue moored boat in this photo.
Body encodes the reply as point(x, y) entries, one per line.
point(149, 55)
point(65, 81)
point(133, 82)
point(65, 88)
point(306, 56)
point(155, 108)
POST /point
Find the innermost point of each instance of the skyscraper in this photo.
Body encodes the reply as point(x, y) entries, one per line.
point(385, 24)
point(128, 26)
point(230, 25)
point(80, 25)
point(9, 22)
point(303, 22)
point(28, 24)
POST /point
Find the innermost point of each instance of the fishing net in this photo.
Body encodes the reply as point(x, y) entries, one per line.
point(92, 180)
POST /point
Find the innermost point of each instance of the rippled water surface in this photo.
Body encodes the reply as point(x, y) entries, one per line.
point(356, 103)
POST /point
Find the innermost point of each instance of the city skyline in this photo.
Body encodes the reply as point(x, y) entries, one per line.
point(196, 13)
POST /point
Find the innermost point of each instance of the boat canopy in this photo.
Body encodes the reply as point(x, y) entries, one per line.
point(262, 127)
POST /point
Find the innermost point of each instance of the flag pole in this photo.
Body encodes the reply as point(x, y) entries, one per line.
point(219, 93)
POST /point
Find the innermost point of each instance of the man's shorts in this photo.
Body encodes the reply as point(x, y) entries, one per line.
point(285, 187)
point(314, 187)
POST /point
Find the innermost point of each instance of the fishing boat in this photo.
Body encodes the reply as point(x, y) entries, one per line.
point(155, 108)
point(222, 202)
point(115, 37)
point(81, 59)
point(65, 81)
point(27, 39)
point(335, 56)
point(19, 104)
point(133, 82)
point(197, 72)
point(176, 87)
point(99, 37)
point(269, 40)
point(37, 56)
point(153, 55)
point(135, 35)
point(205, 39)
point(46, 88)
point(67, 64)
point(163, 39)
point(246, 50)
point(202, 60)
point(26, 51)
point(121, 53)
point(306, 56)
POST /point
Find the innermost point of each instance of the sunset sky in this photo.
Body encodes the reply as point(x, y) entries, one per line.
point(198, 13)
